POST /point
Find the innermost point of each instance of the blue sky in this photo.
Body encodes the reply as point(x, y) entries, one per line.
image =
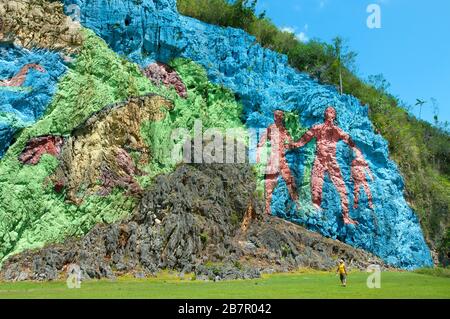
point(411, 49)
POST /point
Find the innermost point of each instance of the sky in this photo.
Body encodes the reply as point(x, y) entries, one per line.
point(411, 48)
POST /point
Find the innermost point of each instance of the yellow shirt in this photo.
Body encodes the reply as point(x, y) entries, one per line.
point(342, 269)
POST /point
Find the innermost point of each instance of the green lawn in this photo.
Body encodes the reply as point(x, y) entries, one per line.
point(297, 285)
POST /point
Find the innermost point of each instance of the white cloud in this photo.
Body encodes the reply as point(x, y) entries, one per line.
point(302, 37)
point(288, 29)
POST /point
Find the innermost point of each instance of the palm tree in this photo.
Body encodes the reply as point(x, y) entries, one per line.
point(420, 103)
point(344, 58)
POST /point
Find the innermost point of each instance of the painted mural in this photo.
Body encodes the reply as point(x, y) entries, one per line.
point(57, 182)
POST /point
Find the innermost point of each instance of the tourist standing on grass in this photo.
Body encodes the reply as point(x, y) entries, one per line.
point(342, 270)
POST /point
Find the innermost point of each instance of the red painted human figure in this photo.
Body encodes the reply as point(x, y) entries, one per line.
point(359, 169)
point(328, 135)
point(18, 79)
point(280, 141)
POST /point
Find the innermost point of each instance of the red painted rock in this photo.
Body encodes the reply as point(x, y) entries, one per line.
point(18, 79)
point(161, 73)
point(38, 146)
point(359, 168)
point(124, 177)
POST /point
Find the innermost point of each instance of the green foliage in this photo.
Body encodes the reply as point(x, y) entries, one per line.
point(235, 219)
point(237, 14)
point(421, 150)
point(286, 250)
point(204, 238)
point(215, 268)
point(437, 272)
point(444, 248)
point(238, 265)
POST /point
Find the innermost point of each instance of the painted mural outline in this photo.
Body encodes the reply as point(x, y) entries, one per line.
point(19, 78)
point(327, 135)
point(277, 164)
point(359, 168)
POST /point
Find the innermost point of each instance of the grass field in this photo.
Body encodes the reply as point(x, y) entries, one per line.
point(293, 285)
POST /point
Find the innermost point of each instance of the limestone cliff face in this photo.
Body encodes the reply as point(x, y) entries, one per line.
point(77, 160)
point(39, 24)
point(153, 30)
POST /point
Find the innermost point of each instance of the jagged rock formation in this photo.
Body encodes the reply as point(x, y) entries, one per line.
point(194, 217)
point(96, 158)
